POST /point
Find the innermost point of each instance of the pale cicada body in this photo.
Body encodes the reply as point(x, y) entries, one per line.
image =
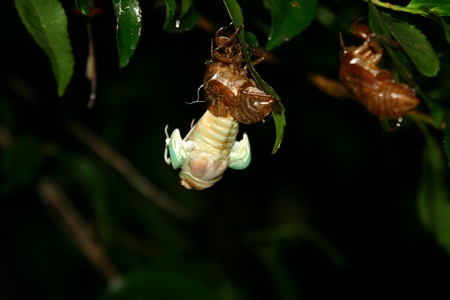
point(207, 151)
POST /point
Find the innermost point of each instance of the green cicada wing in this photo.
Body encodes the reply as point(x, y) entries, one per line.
point(240, 155)
point(178, 151)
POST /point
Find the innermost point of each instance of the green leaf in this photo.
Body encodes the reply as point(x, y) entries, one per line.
point(185, 22)
point(447, 142)
point(376, 24)
point(85, 6)
point(235, 12)
point(171, 6)
point(421, 54)
point(280, 123)
point(445, 26)
point(433, 193)
point(289, 18)
point(436, 110)
point(129, 24)
point(153, 283)
point(415, 45)
point(251, 39)
point(400, 62)
point(20, 163)
point(424, 8)
point(397, 57)
point(186, 6)
point(426, 3)
point(443, 10)
point(326, 17)
point(46, 21)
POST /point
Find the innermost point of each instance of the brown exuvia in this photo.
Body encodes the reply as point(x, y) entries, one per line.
point(229, 93)
point(373, 87)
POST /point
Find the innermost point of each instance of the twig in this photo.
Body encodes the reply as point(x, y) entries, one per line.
point(91, 71)
point(329, 86)
point(6, 138)
point(129, 172)
point(53, 196)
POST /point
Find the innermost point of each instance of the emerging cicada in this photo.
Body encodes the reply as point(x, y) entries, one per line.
point(207, 151)
point(228, 90)
point(231, 97)
point(373, 87)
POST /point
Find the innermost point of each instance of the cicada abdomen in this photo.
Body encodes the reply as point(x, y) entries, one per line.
point(207, 151)
point(373, 87)
point(228, 90)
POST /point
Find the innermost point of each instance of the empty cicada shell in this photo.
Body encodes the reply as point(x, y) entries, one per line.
point(228, 90)
point(373, 87)
point(207, 151)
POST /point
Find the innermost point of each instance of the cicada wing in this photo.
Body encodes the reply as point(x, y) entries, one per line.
point(178, 149)
point(240, 154)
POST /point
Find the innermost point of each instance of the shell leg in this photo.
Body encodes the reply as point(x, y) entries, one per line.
point(240, 155)
point(178, 149)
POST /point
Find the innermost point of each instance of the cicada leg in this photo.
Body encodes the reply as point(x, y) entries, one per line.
point(258, 54)
point(240, 155)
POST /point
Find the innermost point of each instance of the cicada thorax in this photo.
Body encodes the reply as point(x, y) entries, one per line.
point(375, 88)
point(213, 139)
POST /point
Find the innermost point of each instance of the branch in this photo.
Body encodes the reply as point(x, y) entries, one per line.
point(6, 138)
point(82, 235)
point(129, 172)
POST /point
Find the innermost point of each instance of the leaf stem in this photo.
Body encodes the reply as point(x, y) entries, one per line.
point(421, 117)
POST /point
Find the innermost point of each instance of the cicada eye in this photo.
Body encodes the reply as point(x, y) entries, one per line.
point(209, 61)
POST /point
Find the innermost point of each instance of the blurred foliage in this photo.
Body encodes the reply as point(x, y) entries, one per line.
point(344, 208)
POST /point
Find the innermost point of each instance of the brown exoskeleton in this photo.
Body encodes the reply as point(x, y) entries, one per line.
point(373, 87)
point(228, 90)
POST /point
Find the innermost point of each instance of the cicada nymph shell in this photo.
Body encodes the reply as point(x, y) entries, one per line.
point(229, 93)
point(373, 87)
point(207, 151)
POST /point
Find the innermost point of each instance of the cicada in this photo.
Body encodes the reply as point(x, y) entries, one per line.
point(207, 151)
point(229, 93)
point(373, 87)
point(231, 98)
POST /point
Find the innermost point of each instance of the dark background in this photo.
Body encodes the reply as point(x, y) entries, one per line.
point(331, 214)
